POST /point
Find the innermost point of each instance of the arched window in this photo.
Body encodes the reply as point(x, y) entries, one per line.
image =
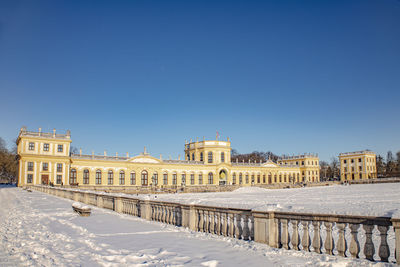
point(165, 178)
point(188, 156)
point(155, 178)
point(258, 179)
point(240, 178)
point(298, 177)
point(72, 176)
point(145, 181)
point(200, 178)
point(276, 178)
point(192, 178)
point(252, 179)
point(201, 156)
point(110, 177)
point(222, 157)
point(234, 178)
point(133, 178)
point(210, 157)
point(86, 176)
point(264, 179)
point(269, 178)
point(284, 178)
point(210, 178)
point(192, 156)
point(183, 182)
point(174, 182)
point(247, 178)
point(121, 177)
point(280, 178)
point(98, 177)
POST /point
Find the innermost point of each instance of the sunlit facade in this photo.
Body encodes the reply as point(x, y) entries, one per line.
point(45, 158)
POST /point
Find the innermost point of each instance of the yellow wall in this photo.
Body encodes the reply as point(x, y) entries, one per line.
point(222, 172)
point(357, 165)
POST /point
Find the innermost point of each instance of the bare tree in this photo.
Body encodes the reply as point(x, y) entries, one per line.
point(334, 167)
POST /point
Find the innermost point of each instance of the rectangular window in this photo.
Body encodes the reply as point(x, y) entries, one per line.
point(192, 178)
point(133, 178)
point(360, 168)
point(31, 146)
point(29, 178)
point(59, 179)
point(59, 167)
point(165, 178)
point(174, 179)
point(183, 178)
point(45, 166)
point(345, 161)
point(222, 157)
point(46, 147)
point(302, 163)
point(359, 160)
point(60, 148)
point(345, 169)
point(352, 169)
point(200, 178)
point(352, 160)
point(30, 166)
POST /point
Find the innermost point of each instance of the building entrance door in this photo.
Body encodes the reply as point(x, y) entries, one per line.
point(45, 179)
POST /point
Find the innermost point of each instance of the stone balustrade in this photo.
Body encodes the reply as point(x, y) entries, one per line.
point(339, 235)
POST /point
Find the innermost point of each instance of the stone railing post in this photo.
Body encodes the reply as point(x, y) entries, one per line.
point(76, 196)
point(261, 221)
point(185, 215)
point(86, 198)
point(193, 218)
point(99, 201)
point(396, 228)
point(118, 204)
point(145, 210)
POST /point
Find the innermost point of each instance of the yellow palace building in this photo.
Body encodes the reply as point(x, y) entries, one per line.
point(45, 158)
point(358, 165)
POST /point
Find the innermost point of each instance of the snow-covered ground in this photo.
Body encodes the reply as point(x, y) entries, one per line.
point(37, 229)
point(368, 199)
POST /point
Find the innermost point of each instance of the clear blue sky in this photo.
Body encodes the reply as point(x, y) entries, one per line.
point(285, 76)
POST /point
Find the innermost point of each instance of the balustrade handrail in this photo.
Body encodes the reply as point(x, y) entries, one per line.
point(270, 227)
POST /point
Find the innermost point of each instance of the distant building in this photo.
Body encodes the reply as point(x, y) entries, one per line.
point(357, 165)
point(45, 158)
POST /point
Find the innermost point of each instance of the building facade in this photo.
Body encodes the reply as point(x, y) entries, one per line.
point(45, 158)
point(357, 165)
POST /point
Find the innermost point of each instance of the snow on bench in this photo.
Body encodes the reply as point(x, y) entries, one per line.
point(81, 209)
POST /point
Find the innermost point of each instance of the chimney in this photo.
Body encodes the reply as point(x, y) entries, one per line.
point(80, 151)
point(40, 131)
point(54, 132)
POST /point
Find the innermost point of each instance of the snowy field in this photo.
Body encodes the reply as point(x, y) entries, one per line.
point(37, 229)
point(368, 199)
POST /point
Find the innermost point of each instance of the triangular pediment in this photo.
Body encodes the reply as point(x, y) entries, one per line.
point(144, 159)
point(270, 164)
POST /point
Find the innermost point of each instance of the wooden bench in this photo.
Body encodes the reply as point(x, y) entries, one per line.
point(81, 210)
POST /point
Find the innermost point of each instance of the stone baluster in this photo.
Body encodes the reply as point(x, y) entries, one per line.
point(212, 222)
point(206, 221)
point(246, 230)
point(354, 244)
point(341, 243)
point(164, 215)
point(251, 228)
point(218, 223)
point(295, 234)
point(316, 242)
point(329, 240)
point(238, 226)
point(224, 224)
point(305, 241)
point(278, 234)
point(383, 248)
point(231, 227)
point(285, 234)
point(369, 248)
point(201, 221)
